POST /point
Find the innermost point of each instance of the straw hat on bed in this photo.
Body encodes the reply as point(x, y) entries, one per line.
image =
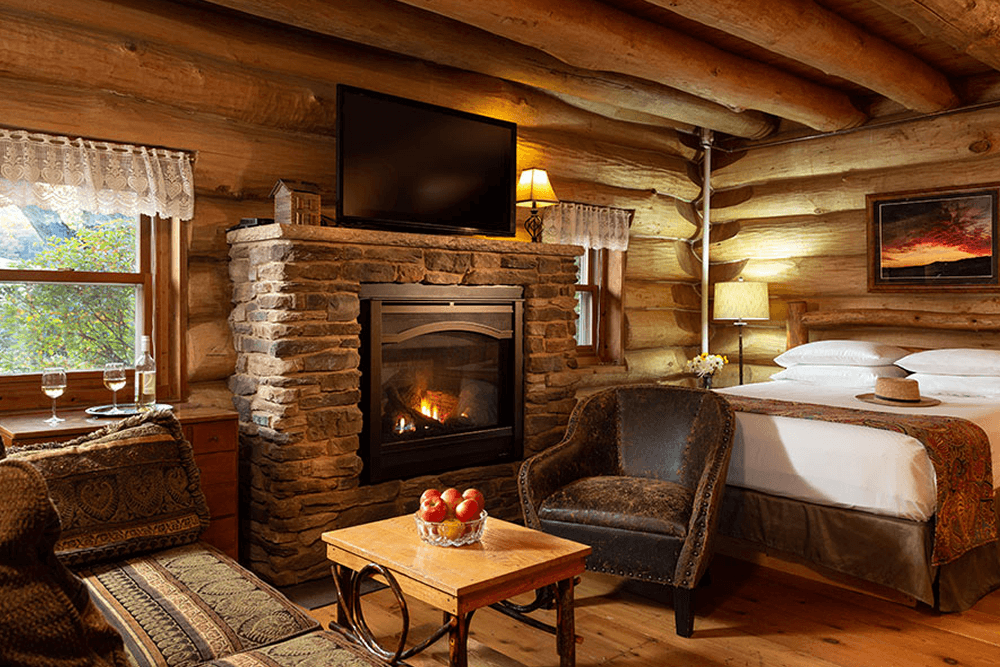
point(901, 392)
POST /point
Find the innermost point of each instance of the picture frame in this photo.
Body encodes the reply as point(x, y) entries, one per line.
point(938, 240)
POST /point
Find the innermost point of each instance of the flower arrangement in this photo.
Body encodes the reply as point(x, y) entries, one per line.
point(706, 365)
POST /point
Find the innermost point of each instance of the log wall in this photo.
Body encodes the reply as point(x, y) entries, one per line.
point(256, 103)
point(804, 228)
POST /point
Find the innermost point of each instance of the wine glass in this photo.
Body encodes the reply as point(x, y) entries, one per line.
point(114, 379)
point(53, 385)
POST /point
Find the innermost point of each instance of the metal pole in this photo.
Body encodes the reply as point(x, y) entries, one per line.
point(706, 222)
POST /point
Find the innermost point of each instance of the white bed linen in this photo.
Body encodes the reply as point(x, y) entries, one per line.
point(844, 465)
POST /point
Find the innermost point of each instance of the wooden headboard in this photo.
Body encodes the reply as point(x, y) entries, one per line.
point(800, 321)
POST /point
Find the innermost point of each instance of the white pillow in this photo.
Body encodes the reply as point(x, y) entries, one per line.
point(958, 385)
point(862, 377)
point(953, 361)
point(841, 353)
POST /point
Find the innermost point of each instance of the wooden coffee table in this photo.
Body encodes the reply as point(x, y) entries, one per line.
point(508, 561)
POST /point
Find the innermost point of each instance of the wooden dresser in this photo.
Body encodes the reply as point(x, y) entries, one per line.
point(212, 433)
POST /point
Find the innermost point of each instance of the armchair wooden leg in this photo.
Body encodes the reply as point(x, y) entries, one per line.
point(683, 611)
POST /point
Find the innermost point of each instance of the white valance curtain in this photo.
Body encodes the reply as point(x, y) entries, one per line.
point(58, 172)
point(586, 225)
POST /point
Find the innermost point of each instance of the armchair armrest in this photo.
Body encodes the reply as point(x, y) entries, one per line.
point(589, 448)
point(716, 422)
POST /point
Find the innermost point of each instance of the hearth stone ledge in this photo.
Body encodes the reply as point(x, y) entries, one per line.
point(297, 380)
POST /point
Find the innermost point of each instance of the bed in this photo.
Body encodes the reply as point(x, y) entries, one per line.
point(861, 501)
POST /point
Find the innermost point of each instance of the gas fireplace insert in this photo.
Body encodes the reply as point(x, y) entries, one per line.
point(441, 378)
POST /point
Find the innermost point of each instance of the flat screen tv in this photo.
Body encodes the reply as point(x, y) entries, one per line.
point(409, 166)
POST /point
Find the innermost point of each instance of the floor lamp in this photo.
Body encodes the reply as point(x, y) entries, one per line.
point(534, 191)
point(741, 301)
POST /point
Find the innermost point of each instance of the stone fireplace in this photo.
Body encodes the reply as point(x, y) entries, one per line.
point(301, 295)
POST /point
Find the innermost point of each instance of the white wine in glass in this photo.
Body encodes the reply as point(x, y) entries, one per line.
point(114, 379)
point(53, 386)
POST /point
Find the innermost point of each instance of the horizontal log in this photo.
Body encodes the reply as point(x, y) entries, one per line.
point(798, 277)
point(648, 294)
point(577, 158)
point(970, 27)
point(292, 87)
point(225, 164)
point(654, 259)
point(811, 34)
point(660, 362)
point(796, 236)
point(846, 191)
point(689, 258)
point(568, 29)
point(762, 342)
point(655, 214)
point(210, 351)
point(395, 27)
point(970, 137)
point(209, 290)
point(212, 216)
point(210, 394)
point(661, 328)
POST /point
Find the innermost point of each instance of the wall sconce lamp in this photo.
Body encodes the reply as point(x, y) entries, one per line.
point(535, 191)
point(741, 301)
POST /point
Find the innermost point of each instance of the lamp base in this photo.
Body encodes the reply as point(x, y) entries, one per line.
point(533, 225)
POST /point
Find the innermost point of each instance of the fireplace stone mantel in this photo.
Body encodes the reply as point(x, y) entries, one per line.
point(297, 381)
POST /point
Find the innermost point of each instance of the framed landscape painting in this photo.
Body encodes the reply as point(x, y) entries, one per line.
point(933, 240)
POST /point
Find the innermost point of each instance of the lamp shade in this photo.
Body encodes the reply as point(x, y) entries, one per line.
point(534, 189)
point(741, 301)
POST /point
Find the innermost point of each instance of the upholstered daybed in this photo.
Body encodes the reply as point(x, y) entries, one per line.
point(100, 563)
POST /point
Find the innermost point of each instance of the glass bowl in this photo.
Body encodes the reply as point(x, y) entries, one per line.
point(451, 532)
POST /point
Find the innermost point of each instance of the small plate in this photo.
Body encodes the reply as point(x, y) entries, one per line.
point(124, 410)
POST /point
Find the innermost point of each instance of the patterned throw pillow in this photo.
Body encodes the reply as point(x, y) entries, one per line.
point(128, 488)
point(47, 617)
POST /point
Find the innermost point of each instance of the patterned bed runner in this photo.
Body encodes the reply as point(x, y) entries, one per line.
point(958, 449)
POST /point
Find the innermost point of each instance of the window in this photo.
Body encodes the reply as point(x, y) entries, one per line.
point(599, 323)
point(603, 231)
point(86, 269)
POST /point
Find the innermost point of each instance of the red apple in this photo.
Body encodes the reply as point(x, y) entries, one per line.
point(451, 498)
point(433, 510)
point(467, 510)
point(428, 493)
point(476, 495)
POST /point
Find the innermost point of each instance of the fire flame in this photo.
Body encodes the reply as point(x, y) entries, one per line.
point(429, 409)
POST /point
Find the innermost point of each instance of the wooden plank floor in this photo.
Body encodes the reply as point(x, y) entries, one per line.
point(749, 616)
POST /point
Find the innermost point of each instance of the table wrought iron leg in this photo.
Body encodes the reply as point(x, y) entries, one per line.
point(458, 640)
point(565, 624)
point(342, 577)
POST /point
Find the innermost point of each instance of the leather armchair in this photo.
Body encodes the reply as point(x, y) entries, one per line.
point(639, 476)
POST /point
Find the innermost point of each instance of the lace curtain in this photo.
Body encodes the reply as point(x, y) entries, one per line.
point(59, 172)
point(586, 225)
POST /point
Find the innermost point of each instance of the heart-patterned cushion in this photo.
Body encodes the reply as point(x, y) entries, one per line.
point(128, 488)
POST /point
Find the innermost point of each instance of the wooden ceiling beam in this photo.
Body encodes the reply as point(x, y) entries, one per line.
point(970, 27)
point(804, 31)
point(591, 35)
point(395, 27)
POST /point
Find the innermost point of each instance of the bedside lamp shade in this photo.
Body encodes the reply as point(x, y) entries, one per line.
point(534, 191)
point(740, 301)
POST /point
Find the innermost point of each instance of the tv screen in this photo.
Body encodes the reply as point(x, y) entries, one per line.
point(417, 167)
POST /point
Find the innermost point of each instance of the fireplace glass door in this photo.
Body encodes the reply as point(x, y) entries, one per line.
point(441, 380)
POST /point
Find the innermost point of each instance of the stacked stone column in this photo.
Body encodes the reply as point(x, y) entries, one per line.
point(297, 381)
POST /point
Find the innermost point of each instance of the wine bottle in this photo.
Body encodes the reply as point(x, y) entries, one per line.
point(145, 377)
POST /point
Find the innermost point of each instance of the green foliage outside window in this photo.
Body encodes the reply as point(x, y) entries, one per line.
point(76, 325)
